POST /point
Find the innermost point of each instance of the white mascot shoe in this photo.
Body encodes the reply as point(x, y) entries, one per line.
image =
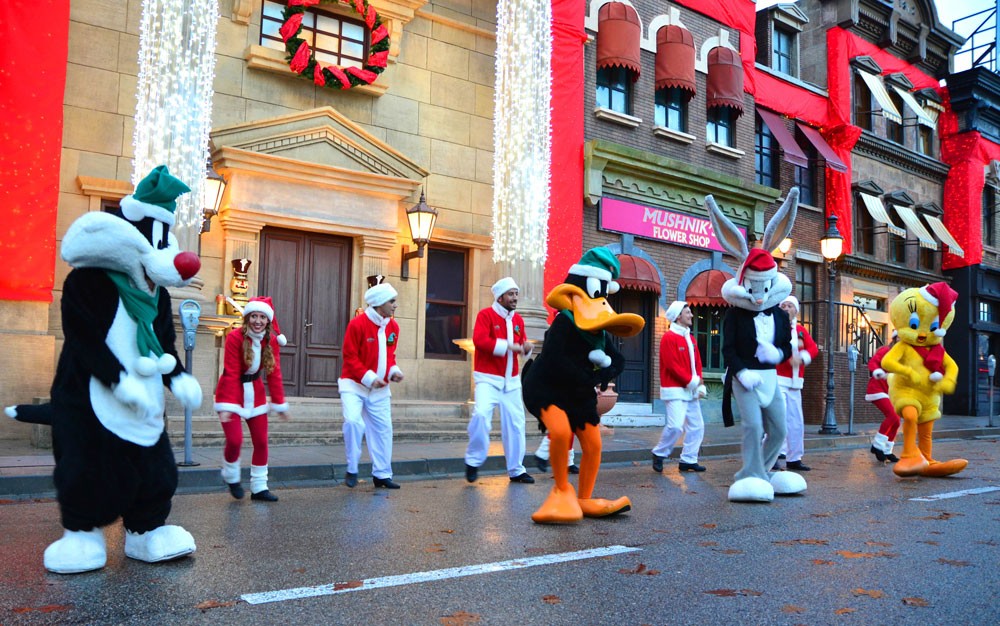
point(160, 544)
point(787, 483)
point(751, 489)
point(78, 551)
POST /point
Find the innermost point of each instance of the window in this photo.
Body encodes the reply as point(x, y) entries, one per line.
point(782, 54)
point(446, 302)
point(989, 215)
point(720, 126)
point(897, 249)
point(707, 331)
point(765, 151)
point(927, 258)
point(864, 229)
point(925, 140)
point(805, 177)
point(863, 106)
point(805, 291)
point(894, 131)
point(614, 89)
point(337, 40)
point(671, 109)
point(985, 312)
point(110, 206)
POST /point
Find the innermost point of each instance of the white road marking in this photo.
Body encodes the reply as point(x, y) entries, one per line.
point(955, 494)
point(420, 577)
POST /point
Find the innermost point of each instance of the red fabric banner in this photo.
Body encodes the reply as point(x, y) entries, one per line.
point(565, 245)
point(35, 41)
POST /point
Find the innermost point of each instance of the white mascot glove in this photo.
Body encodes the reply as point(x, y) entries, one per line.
point(748, 378)
point(130, 392)
point(768, 353)
point(599, 358)
point(187, 390)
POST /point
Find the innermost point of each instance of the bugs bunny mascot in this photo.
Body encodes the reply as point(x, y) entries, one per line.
point(755, 294)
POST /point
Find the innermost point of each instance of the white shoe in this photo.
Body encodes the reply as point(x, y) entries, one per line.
point(160, 544)
point(751, 489)
point(787, 483)
point(78, 551)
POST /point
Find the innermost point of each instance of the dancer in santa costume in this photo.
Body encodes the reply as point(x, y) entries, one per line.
point(500, 338)
point(790, 373)
point(877, 393)
point(250, 353)
point(369, 366)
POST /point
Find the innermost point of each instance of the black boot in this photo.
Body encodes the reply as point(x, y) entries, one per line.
point(541, 464)
point(892, 458)
point(236, 490)
point(878, 454)
point(265, 496)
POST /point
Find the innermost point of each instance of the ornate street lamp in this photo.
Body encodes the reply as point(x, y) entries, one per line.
point(421, 219)
point(211, 199)
point(831, 245)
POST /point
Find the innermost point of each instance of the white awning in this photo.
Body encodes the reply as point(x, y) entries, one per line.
point(939, 229)
point(878, 213)
point(916, 227)
point(881, 96)
point(911, 103)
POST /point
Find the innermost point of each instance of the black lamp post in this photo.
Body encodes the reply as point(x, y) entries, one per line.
point(831, 245)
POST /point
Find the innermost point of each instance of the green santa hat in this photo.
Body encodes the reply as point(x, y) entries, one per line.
point(599, 263)
point(155, 196)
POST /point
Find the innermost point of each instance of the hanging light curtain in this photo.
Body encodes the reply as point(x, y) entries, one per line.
point(521, 131)
point(173, 114)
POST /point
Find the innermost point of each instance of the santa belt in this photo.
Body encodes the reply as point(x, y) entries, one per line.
point(249, 378)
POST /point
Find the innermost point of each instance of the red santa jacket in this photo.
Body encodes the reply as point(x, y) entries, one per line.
point(240, 390)
point(369, 353)
point(878, 384)
point(497, 332)
point(803, 344)
point(680, 365)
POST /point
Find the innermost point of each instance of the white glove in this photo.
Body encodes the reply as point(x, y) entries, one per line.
point(768, 353)
point(187, 391)
point(879, 374)
point(748, 378)
point(130, 392)
point(599, 358)
point(702, 391)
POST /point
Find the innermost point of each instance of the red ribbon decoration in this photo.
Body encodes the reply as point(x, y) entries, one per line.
point(301, 59)
point(345, 82)
point(379, 59)
point(365, 75)
point(291, 27)
point(318, 76)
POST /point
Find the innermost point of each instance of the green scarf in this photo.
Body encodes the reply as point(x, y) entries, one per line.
point(142, 308)
point(596, 341)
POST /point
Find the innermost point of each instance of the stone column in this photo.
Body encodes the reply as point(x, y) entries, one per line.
point(530, 280)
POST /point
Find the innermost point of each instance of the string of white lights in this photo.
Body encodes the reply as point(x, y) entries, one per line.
point(173, 114)
point(522, 131)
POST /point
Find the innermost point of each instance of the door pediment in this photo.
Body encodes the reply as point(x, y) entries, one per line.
point(322, 137)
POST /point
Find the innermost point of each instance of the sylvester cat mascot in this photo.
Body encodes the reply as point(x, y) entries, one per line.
point(112, 455)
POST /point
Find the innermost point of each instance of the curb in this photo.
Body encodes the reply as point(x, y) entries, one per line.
point(206, 480)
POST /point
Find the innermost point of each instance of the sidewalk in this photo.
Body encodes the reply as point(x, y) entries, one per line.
point(27, 471)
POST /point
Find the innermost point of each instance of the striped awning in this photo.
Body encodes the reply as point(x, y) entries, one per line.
point(706, 289)
point(942, 232)
point(911, 103)
point(915, 226)
point(877, 87)
point(638, 274)
point(877, 210)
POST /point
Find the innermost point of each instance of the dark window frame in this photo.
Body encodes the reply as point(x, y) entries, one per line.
point(721, 122)
point(670, 109)
point(925, 140)
point(897, 249)
point(894, 132)
point(767, 167)
point(457, 354)
point(615, 80)
point(989, 202)
point(783, 60)
point(864, 228)
point(806, 290)
point(864, 113)
point(706, 331)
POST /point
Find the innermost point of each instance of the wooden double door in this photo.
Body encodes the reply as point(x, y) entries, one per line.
point(308, 276)
point(633, 384)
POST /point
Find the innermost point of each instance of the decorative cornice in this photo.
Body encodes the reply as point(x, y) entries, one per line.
point(104, 188)
point(886, 271)
point(885, 151)
point(457, 24)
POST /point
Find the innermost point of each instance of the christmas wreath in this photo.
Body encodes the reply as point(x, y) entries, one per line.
point(302, 61)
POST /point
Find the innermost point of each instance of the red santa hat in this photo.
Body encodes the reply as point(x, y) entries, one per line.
point(759, 265)
point(943, 297)
point(263, 304)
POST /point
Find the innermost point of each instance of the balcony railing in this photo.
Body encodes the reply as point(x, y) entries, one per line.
point(980, 49)
point(851, 326)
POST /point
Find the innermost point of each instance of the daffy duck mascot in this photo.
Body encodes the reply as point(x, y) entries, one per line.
point(559, 386)
point(920, 372)
point(113, 458)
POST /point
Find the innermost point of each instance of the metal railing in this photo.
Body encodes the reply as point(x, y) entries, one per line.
point(851, 326)
point(980, 49)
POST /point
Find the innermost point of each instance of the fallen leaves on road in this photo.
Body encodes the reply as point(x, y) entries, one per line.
point(48, 608)
point(351, 584)
point(821, 515)
point(709, 525)
point(878, 543)
point(299, 570)
point(823, 562)
point(987, 542)
point(732, 593)
point(213, 604)
point(791, 608)
point(435, 547)
point(729, 551)
point(640, 569)
point(871, 593)
point(931, 542)
point(955, 563)
point(844, 611)
point(461, 618)
point(708, 544)
point(448, 531)
point(943, 515)
point(551, 599)
point(802, 542)
point(915, 602)
point(847, 554)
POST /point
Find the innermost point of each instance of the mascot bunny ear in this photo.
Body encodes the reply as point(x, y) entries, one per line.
point(780, 225)
point(726, 232)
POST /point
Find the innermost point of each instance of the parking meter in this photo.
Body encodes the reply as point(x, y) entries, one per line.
point(852, 359)
point(189, 312)
point(991, 366)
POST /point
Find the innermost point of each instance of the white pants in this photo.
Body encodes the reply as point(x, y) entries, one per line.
point(371, 419)
point(682, 416)
point(794, 446)
point(543, 450)
point(511, 408)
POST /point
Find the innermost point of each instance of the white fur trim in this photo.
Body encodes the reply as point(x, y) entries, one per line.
point(281, 339)
point(258, 478)
point(935, 376)
point(880, 442)
point(257, 306)
point(599, 358)
point(500, 348)
point(502, 286)
point(279, 408)
point(879, 374)
point(230, 471)
point(11, 411)
point(590, 271)
point(166, 363)
point(395, 370)
point(135, 210)
point(806, 357)
point(941, 332)
point(928, 296)
point(144, 366)
point(751, 489)
point(160, 544)
point(872, 397)
point(369, 378)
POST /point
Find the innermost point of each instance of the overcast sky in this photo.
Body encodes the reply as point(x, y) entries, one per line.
point(948, 10)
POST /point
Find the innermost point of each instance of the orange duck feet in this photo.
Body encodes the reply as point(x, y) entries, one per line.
point(944, 468)
point(560, 507)
point(910, 466)
point(599, 507)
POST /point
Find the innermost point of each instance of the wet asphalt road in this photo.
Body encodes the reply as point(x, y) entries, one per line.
point(854, 549)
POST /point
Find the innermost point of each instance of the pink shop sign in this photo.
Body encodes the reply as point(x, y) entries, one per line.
point(658, 224)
